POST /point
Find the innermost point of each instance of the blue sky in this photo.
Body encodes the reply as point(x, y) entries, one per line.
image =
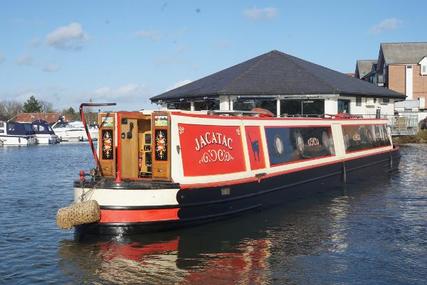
point(66, 52)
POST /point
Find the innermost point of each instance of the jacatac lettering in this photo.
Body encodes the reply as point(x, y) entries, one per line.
point(213, 138)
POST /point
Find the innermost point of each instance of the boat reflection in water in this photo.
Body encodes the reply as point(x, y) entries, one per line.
point(244, 250)
point(212, 255)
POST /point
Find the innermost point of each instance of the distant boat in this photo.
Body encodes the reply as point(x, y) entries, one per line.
point(13, 133)
point(44, 133)
point(73, 131)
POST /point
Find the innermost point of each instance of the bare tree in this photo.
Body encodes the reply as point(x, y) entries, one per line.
point(9, 109)
point(47, 107)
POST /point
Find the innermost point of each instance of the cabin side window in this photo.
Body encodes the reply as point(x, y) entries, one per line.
point(295, 144)
point(361, 137)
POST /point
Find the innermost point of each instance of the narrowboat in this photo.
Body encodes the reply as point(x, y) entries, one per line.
point(157, 170)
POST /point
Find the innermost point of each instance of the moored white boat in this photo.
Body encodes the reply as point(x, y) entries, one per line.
point(44, 133)
point(16, 134)
point(73, 131)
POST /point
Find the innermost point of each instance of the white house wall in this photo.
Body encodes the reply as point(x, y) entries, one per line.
point(369, 106)
point(331, 106)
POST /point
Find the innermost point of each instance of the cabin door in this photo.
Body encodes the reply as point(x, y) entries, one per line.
point(129, 148)
point(161, 145)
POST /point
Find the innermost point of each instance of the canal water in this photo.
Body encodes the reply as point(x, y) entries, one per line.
point(372, 233)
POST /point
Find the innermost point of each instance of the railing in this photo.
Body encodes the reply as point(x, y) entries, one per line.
point(403, 125)
point(400, 125)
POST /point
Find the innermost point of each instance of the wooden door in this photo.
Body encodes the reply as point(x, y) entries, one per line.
point(129, 148)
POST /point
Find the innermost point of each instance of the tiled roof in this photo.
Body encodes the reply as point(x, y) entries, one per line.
point(395, 53)
point(30, 117)
point(364, 66)
point(275, 73)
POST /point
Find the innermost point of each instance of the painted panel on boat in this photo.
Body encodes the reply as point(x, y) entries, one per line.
point(161, 145)
point(255, 150)
point(209, 150)
point(287, 144)
point(107, 144)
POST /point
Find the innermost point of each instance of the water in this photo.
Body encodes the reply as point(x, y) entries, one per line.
point(374, 233)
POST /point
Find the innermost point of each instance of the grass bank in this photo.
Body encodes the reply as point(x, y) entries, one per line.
point(420, 137)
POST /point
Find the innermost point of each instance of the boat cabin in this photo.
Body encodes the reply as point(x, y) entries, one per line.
point(14, 133)
point(199, 147)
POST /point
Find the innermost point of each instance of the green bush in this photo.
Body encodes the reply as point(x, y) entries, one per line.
point(422, 136)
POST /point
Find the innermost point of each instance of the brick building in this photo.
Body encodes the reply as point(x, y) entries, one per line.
point(401, 67)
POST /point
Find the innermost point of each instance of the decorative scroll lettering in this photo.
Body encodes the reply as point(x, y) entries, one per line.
point(313, 141)
point(215, 156)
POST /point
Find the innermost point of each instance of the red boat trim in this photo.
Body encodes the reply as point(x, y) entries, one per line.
point(138, 216)
point(119, 150)
point(252, 179)
point(298, 127)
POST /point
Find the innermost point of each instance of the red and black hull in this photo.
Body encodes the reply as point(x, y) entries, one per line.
point(205, 204)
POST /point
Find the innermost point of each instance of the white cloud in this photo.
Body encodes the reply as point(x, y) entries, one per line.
point(25, 60)
point(256, 14)
point(70, 37)
point(35, 43)
point(2, 58)
point(386, 25)
point(129, 96)
point(150, 35)
point(122, 92)
point(50, 68)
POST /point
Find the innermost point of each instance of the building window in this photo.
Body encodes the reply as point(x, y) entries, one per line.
point(386, 100)
point(206, 105)
point(306, 108)
point(343, 106)
point(179, 105)
point(375, 100)
point(245, 104)
point(424, 69)
point(358, 101)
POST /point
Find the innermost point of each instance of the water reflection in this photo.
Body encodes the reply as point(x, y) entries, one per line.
point(338, 210)
point(364, 232)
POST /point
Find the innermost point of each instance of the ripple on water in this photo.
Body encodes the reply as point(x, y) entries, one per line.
point(371, 233)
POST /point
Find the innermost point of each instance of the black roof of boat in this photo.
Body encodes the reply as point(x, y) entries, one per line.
point(276, 73)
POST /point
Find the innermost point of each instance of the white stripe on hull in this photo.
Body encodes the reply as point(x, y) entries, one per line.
point(17, 140)
point(119, 197)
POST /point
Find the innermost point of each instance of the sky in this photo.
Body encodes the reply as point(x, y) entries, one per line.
point(68, 52)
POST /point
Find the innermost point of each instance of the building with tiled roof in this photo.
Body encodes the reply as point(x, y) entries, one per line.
point(284, 84)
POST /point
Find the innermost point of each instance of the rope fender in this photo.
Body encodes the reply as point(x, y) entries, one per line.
point(77, 214)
